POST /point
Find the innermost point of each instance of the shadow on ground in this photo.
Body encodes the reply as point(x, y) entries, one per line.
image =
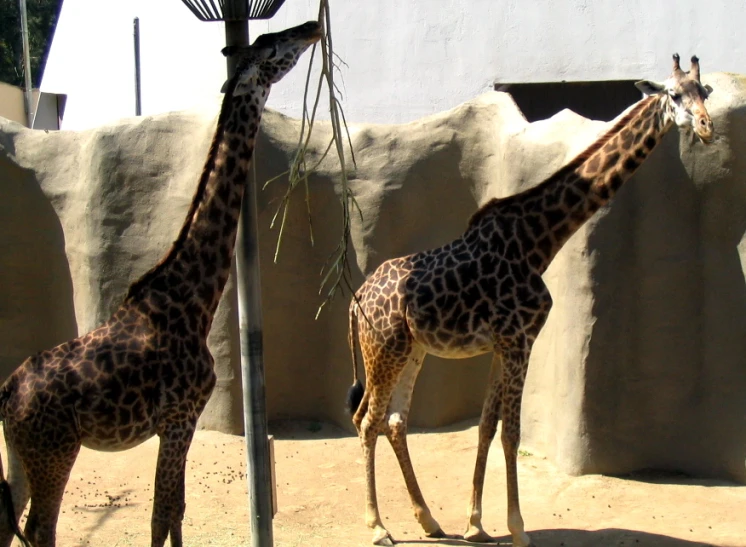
point(306, 430)
point(663, 476)
point(610, 537)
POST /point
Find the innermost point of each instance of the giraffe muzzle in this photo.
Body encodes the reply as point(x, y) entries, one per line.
point(704, 129)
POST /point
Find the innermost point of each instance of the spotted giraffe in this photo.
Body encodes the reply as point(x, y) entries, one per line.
point(146, 371)
point(483, 292)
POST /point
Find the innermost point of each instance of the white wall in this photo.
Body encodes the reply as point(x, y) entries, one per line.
point(405, 59)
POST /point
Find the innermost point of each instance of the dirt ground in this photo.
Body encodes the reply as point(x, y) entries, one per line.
point(321, 494)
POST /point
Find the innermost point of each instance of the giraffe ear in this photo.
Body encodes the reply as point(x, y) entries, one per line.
point(650, 88)
point(246, 77)
point(227, 51)
point(708, 89)
point(240, 88)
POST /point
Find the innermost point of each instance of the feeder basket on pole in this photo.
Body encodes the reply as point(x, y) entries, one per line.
point(227, 10)
point(236, 15)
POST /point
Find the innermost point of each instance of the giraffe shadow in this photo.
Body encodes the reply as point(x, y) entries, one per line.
point(104, 511)
point(567, 537)
point(100, 511)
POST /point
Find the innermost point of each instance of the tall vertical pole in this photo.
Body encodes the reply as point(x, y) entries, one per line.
point(28, 95)
point(138, 90)
point(250, 324)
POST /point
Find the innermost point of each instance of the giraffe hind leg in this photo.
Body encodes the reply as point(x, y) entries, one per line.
point(371, 422)
point(360, 412)
point(19, 486)
point(48, 473)
point(14, 495)
point(396, 432)
point(11, 528)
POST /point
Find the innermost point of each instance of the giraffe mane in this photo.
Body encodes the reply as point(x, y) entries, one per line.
point(574, 164)
point(177, 245)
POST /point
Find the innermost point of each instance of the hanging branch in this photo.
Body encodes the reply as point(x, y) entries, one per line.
point(336, 269)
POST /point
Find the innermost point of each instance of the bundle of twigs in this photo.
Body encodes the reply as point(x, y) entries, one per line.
point(336, 271)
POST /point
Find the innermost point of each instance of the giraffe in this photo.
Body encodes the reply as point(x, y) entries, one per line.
point(147, 370)
point(483, 292)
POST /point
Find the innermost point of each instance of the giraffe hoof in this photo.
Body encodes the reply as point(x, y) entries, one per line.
point(383, 539)
point(477, 535)
point(440, 534)
point(522, 540)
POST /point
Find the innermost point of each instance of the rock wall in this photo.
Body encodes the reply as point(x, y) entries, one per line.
point(642, 362)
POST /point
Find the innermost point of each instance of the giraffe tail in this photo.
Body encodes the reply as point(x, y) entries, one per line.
point(6, 499)
point(356, 391)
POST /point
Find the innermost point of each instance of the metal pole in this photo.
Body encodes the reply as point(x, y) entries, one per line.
point(250, 324)
point(28, 95)
point(138, 90)
point(236, 34)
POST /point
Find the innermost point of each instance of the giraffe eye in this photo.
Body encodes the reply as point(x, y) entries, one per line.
point(676, 96)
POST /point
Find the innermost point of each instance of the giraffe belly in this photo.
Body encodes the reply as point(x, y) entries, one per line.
point(451, 345)
point(111, 427)
point(115, 444)
point(455, 333)
point(459, 352)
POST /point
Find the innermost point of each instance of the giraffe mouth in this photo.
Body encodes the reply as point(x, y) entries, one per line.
point(705, 138)
point(311, 32)
point(704, 129)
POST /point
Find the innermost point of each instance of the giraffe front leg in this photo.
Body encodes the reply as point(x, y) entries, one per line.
point(487, 429)
point(168, 500)
point(514, 377)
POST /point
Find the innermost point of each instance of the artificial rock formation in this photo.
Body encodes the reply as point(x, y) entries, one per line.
point(642, 362)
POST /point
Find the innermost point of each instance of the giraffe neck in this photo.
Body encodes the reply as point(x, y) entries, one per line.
point(195, 270)
point(551, 212)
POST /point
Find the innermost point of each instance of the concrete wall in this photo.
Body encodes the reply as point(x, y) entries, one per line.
point(11, 103)
point(48, 107)
point(403, 60)
point(641, 363)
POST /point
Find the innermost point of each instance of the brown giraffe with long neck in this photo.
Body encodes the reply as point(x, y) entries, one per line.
point(483, 292)
point(147, 370)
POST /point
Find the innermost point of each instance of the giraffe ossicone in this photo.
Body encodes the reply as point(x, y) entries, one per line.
point(147, 370)
point(483, 292)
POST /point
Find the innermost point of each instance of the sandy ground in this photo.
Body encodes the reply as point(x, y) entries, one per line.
point(321, 495)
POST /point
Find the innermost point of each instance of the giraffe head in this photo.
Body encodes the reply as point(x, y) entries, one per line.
point(270, 57)
point(685, 98)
